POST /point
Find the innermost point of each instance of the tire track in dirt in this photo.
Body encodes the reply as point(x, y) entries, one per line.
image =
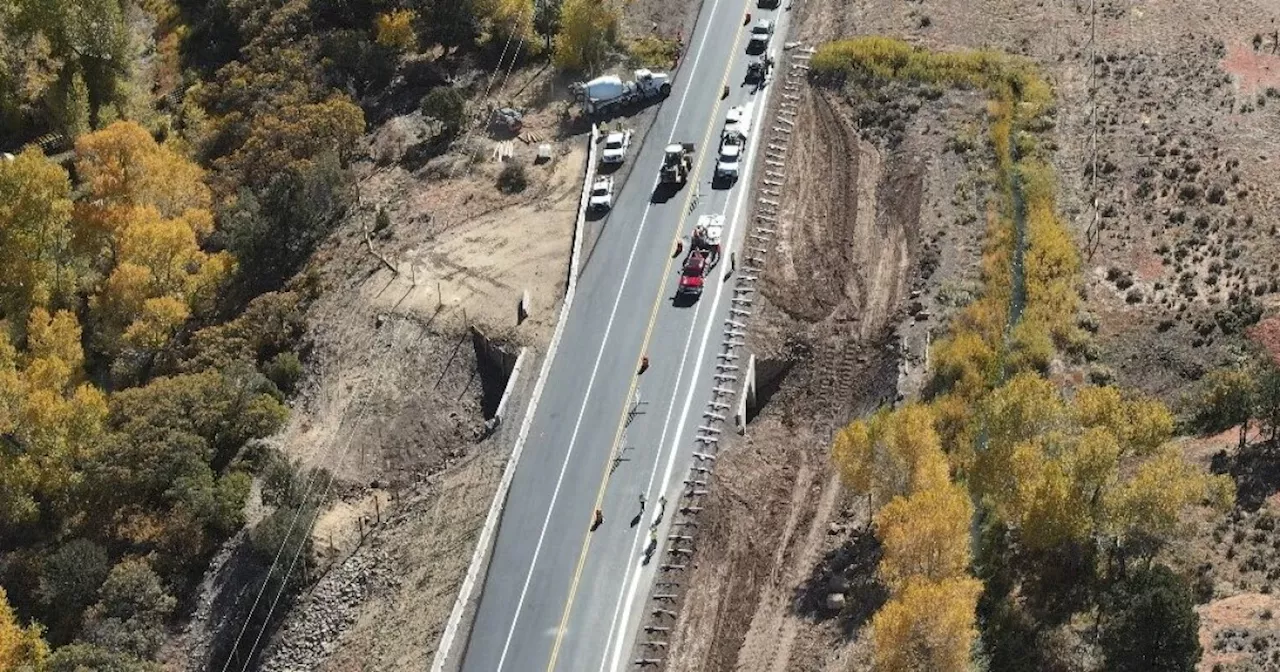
point(816, 245)
point(845, 241)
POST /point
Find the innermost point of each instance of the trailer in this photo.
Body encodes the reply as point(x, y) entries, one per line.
point(605, 94)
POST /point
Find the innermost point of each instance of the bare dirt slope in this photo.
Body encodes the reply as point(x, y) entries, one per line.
point(1166, 121)
point(869, 232)
point(397, 395)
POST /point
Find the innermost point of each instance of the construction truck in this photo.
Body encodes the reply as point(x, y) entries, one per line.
point(604, 94)
point(706, 237)
point(677, 161)
point(758, 70)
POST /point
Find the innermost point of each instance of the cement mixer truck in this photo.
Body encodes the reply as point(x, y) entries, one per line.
point(604, 94)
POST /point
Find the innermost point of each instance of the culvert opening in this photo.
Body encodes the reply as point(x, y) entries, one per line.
point(770, 374)
point(494, 362)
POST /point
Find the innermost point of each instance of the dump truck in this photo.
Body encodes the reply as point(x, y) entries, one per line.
point(677, 161)
point(603, 94)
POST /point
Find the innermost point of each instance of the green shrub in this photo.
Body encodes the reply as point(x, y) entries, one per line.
point(513, 179)
point(285, 370)
point(652, 51)
point(446, 105)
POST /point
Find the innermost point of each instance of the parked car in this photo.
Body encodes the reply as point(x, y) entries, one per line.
point(761, 33)
point(601, 194)
point(615, 147)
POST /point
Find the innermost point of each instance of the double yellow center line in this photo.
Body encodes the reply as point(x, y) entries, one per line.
point(691, 182)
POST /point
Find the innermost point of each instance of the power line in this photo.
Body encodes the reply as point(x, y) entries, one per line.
point(310, 526)
point(311, 478)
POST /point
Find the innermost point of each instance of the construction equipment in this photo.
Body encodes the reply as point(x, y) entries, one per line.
point(603, 94)
point(706, 236)
point(693, 274)
point(758, 70)
point(677, 161)
point(507, 120)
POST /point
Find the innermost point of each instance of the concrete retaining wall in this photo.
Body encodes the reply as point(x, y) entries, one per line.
point(448, 654)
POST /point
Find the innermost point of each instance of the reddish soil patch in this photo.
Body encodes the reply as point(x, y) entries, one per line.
point(1267, 334)
point(1228, 628)
point(1150, 267)
point(1252, 70)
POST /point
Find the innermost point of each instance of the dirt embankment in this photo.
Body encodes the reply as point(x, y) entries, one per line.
point(395, 401)
point(867, 237)
point(1166, 118)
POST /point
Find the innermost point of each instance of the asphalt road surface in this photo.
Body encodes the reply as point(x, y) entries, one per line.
point(557, 595)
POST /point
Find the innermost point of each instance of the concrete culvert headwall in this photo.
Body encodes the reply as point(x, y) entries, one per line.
point(494, 362)
point(769, 374)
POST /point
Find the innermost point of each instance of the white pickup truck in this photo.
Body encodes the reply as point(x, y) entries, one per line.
point(601, 194)
point(615, 147)
point(733, 142)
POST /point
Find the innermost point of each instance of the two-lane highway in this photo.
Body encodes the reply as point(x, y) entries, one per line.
point(558, 596)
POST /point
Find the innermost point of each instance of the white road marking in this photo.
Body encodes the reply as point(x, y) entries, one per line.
point(653, 473)
point(555, 494)
point(637, 566)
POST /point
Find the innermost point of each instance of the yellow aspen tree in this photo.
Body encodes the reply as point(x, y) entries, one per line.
point(925, 536)
point(1142, 424)
point(893, 453)
point(21, 649)
point(965, 361)
point(1022, 412)
point(122, 165)
point(1151, 502)
point(51, 422)
point(395, 29)
point(1054, 513)
point(587, 29)
point(509, 19)
point(35, 216)
point(159, 265)
point(158, 321)
point(927, 626)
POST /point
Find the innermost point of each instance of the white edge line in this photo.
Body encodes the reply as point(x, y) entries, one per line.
point(478, 556)
point(624, 634)
point(653, 476)
point(555, 494)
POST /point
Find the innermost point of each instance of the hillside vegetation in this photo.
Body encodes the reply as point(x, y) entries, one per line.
point(172, 167)
point(1063, 493)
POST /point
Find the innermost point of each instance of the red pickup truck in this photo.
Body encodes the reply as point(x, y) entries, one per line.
point(691, 278)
